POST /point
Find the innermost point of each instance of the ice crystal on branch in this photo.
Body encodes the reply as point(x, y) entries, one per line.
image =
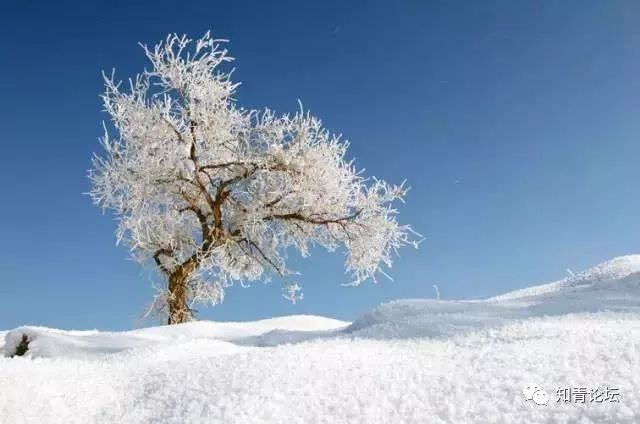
point(215, 194)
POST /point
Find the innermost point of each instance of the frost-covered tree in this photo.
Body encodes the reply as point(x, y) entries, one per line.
point(214, 194)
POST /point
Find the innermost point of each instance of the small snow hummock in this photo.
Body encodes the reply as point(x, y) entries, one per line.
point(410, 361)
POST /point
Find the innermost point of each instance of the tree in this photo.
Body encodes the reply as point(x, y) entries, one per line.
point(214, 194)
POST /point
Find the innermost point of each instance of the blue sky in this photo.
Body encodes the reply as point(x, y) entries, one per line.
point(515, 123)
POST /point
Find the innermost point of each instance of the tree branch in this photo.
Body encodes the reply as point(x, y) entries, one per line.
point(297, 216)
point(156, 257)
point(269, 261)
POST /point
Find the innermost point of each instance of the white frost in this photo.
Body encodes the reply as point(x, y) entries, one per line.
point(203, 188)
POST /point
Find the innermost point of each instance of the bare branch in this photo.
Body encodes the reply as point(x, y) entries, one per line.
point(156, 257)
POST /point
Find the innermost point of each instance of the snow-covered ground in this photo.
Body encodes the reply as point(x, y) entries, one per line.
point(411, 361)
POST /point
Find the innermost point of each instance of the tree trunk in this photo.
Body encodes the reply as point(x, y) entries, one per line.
point(179, 311)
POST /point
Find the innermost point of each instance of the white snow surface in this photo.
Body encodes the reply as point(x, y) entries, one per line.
point(607, 275)
point(47, 342)
point(409, 361)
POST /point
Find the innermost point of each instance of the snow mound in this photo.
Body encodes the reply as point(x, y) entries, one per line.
point(424, 318)
point(47, 342)
point(615, 271)
point(408, 361)
point(472, 377)
point(611, 286)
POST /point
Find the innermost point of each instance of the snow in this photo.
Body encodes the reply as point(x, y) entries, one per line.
point(610, 286)
point(410, 361)
point(47, 342)
point(622, 272)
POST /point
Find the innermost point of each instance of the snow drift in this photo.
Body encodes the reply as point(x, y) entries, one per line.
point(47, 342)
point(611, 286)
point(411, 361)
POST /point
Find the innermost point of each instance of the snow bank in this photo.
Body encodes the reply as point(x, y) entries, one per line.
point(622, 273)
point(47, 342)
point(426, 318)
point(611, 286)
point(413, 361)
point(475, 377)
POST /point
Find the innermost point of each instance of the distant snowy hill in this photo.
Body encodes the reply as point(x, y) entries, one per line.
point(620, 274)
point(408, 361)
point(611, 286)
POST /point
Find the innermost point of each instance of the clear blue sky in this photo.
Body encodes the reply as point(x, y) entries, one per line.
point(517, 125)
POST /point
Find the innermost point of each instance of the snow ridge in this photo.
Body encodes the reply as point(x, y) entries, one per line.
point(408, 361)
point(616, 269)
